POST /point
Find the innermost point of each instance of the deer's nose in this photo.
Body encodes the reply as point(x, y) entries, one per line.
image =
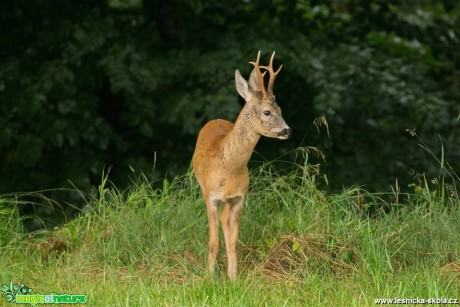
point(285, 132)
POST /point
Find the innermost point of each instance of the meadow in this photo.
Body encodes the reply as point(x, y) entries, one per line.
point(299, 244)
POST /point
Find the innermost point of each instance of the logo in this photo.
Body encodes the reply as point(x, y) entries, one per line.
point(21, 294)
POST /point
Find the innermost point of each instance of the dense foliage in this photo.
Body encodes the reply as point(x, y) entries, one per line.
point(128, 83)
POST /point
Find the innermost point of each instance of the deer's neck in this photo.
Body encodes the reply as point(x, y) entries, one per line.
point(238, 145)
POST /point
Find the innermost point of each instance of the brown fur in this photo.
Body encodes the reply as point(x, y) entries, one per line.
point(220, 162)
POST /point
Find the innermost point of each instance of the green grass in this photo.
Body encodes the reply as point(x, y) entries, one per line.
point(298, 246)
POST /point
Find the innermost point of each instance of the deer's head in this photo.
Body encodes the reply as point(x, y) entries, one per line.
point(263, 113)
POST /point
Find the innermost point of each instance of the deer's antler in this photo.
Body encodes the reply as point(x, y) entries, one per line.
point(273, 74)
point(261, 76)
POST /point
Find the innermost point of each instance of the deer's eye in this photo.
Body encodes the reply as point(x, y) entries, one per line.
point(267, 113)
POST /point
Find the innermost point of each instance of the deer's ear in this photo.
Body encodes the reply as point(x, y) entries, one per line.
point(242, 86)
point(254, 81)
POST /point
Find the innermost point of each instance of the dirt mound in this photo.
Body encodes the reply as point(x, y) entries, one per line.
point(301, 256)
point(453, 267)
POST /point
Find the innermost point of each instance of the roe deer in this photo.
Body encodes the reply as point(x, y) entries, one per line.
point(222, 152)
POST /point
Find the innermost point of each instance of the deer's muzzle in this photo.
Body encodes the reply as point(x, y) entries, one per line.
point(285, 133)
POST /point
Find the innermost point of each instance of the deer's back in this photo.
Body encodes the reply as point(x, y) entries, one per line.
point(208, 149)
point(207, 158)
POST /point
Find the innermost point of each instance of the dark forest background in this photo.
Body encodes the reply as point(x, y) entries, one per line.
point(127, 84)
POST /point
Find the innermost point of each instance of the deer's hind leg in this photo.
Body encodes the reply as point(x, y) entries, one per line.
point(212, 208)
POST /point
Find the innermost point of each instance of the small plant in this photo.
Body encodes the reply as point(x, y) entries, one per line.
point(443, 188)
